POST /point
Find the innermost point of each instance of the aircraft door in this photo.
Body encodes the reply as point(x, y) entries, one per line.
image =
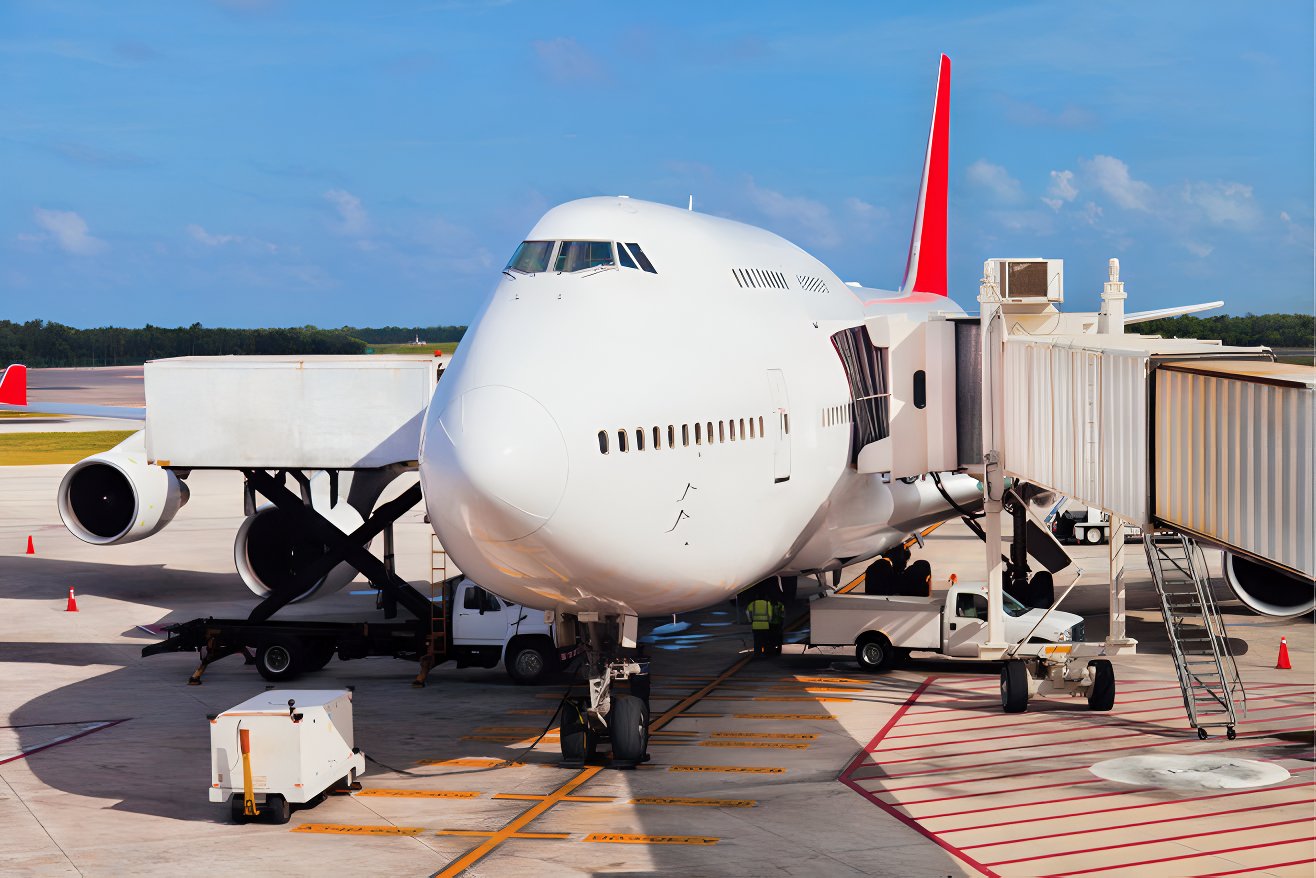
point(781, 432)
point(966, 624)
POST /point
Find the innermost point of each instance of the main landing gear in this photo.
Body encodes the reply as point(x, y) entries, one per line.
point(603, 644)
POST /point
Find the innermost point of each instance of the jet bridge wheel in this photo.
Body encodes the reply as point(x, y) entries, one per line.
point(1102, 694)
point(280, 659)
point(1014, 687)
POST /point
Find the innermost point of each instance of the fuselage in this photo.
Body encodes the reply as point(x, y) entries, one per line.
point(653, 435)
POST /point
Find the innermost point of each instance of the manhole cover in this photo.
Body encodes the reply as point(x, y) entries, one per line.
point(1190, 772)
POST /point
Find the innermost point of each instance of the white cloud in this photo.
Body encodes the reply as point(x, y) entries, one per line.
point(1198, 249)
point(210, 239)
point(994, 179)
point(353, 218)
point(811, 218)
point(1284, 216)
point(1111, 176)
point(1061, 189)
point(69, 231)
point(1223, 204)
point(566, 60)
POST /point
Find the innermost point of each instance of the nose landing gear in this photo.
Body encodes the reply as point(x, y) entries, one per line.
point(622, 719)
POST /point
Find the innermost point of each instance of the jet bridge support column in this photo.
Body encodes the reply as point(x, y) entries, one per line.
point(1117, 635)
point(993, 341)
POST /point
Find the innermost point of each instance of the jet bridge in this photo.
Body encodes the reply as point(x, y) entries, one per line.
point(1211, 442)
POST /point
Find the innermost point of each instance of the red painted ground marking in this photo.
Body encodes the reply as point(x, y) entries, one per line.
point(109, 723)
point(1255, 869)
point(1194, 816)
point(1133, 807)
point(963, 753)
point(964, 780)
point(1045, 786)
point(903, 818)
point(1170, 743)
point(1131, 844)
point(1193, 856)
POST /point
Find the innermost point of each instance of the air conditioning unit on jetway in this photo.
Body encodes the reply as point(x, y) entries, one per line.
point(1022, 281)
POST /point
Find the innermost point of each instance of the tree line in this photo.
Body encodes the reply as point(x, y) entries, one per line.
point(1249, 330)
point(41, 344)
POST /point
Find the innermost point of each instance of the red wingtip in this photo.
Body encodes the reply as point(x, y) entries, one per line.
point(13, 385)
point(925, 269)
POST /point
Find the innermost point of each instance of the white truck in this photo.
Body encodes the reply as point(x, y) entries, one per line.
point(1047, 650)
point(477, 628)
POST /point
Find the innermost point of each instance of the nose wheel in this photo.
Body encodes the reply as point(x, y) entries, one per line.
point(621, 718)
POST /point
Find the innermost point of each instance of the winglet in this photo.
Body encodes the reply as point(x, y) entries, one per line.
point(925, 271)
point(13, 385)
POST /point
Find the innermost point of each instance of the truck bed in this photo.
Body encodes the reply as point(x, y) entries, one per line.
point(908, 622)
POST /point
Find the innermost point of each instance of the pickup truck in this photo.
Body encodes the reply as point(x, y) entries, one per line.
point(884, 629)
point(480, 629)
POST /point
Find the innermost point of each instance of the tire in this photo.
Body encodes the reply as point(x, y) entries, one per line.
point(1014, 687)
point(578, 740)
point(528, 662)
point(235, 809)
point(280, 660)
point(874, 653)
point(628, 724)
point(1102, 694)
point(276, 809)
point(319, 655)
point(1093, 536)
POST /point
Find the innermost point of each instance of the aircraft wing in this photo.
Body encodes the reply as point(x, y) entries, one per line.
point(1162, 313)
point(13, 398)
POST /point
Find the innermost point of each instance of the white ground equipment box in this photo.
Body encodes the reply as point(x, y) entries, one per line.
point(298, 744)
point(287, 412)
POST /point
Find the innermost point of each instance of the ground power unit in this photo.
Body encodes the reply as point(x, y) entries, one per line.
point(281, 748)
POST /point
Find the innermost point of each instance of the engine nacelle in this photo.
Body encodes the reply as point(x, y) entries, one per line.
point(271, 548)
point(1266, 590)
point(117, 497)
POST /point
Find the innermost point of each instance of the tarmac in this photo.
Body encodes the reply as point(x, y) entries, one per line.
point(796, 765)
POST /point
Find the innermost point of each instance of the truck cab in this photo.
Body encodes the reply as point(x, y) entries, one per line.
point(487, 629)
point(964, 621)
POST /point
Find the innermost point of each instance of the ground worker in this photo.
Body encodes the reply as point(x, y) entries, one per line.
point(775, 625)
point(760, 622)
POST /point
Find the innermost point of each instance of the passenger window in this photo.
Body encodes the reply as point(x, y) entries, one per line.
point(786, 423)
point(761, 433)
point(531, 257)
point(699, 434)
point(721, 431)
point(580, 255)
point(709, 433)
point(732, 425)
point(742, 428)
point(920, 389)
point(685, 434)
point(621, 441)
point(751, 428)
point(603, 442)
point(641, 258)
point(671, 436)
point(625, 258)
point(639, 439)
point(657, 439)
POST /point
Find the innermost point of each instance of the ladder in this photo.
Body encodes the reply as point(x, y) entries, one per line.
point(1213, 693)
point(436, 640)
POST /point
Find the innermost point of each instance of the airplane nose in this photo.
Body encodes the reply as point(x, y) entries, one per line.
point(506, 462)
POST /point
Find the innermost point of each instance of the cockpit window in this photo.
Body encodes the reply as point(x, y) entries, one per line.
point(532, 257)
point(580, 255)
point(642, 259)
point(624, 257)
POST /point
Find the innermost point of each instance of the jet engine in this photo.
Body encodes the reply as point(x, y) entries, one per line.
point(1266, 590)
point(117, 497)
point(272, 548)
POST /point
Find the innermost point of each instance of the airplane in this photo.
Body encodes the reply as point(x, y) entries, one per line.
point(656, 408)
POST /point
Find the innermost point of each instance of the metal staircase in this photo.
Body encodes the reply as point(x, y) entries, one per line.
point(1213, 693)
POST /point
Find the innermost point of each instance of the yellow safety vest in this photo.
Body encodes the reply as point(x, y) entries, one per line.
point(760, 614)
point(778, 612)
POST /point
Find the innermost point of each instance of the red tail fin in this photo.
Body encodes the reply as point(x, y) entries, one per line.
point(925, 272)
point(13, 385)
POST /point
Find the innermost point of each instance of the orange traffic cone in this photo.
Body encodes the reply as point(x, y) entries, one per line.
point(72, 606)
point(31, 550)
point(1283, 663)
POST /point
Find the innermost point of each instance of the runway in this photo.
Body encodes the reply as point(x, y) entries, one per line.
point(799, 765)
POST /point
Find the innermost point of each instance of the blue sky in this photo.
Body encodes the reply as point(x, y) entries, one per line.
point(249, 163)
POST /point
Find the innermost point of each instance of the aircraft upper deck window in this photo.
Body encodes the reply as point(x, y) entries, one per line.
point(641, 258)
point(532, 256)
point(580, 255)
